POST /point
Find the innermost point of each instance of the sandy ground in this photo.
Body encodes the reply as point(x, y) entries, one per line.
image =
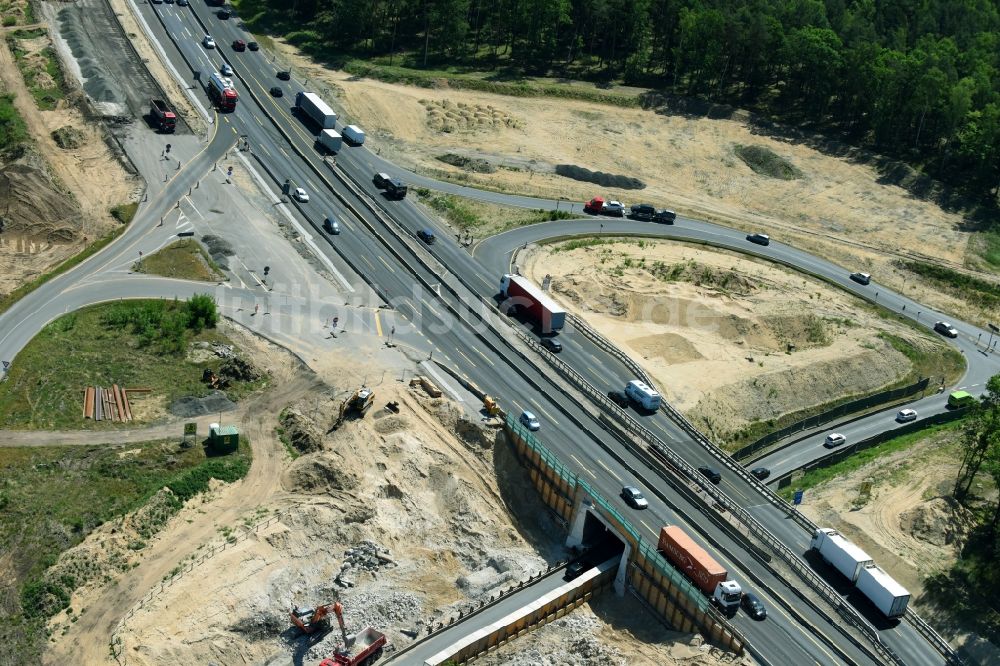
point(26, 255)
point(450, 516)
point(838, 208)
point(716, 337)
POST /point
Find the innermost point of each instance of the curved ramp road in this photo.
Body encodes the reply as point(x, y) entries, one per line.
point(437, 293)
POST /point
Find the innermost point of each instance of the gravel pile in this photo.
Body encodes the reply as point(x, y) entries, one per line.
point(384, 609)
point(213, 403)
point(569, 641)
point(601, 178)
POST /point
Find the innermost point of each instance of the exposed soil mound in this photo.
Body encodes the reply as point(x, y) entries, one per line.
point(302, 433)
point(319, 473)
point(238, 368)
point(68, 137)
point(599, 177)
point(31, 205)
point(387, 423)
point(474, 435)
point(941, 521)
point(766, 162)
point(474, 164)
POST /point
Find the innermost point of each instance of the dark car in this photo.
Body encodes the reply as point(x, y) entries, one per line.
point(253, 46)
point(381, 180)
point(396, 189)
point(284, 75)
point(861, 278)
point(642, 212)
point(711, 474)
point(574, 569)
point(182, 3)
point(331, 225)
point(427, 236)
point(761, 472)
point(753, 606)
point(552, 344)
point(225, 13)
point(239, 45)
point(665, 216)
point(759, 239)
point(619, 398)
point(277, 92)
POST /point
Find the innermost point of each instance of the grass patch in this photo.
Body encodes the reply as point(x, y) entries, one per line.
point(92, 249)
point(942, 361)
point(815, 477)
point(487, 82)
point(482, 219)
point(131, 343)
point(53, 497)
point(578, 243)
point(40, 69)
point(766, 162)
point(977, 291)
point(991, 251)
point(184, 259)
point(125, 212)
point(13, 131)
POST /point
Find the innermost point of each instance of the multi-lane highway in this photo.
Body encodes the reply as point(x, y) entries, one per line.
point(436, 293)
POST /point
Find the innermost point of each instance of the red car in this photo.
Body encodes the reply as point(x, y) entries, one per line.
point(239, 45)
point(594, 206)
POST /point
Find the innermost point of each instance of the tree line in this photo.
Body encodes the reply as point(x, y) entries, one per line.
point(916, 79)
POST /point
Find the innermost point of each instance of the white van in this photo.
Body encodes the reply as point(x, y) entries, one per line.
point(643, 395)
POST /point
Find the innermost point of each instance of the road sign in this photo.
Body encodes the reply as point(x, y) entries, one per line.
point(797, 499)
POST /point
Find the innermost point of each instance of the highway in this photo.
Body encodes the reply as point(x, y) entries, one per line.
point(435, 294)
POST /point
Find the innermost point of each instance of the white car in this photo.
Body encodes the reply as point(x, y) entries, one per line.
point(300, 195)
point(208, 42)
point(946, 329)
point(834, 439)
point(226, 70)
point(906, 415)
point(633, 497)
point(615, 208)
point(530, 421)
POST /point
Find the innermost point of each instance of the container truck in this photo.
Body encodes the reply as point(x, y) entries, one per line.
point(883, 591)
point(315, 108)
point(700, 567)
point(331, 140)
point(354, 134)
point(522, 295)
point(365, 647)
point(840, 553)
point(163, 117)
point(222, 92)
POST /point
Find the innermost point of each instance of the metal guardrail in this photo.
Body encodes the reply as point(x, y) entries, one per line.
point(605, 344)
point(846, 611)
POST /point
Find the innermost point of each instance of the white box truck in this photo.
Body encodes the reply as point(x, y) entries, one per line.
point(883, 591)
point(840, 553)
point(354, 134)
point(331, 140)
point(311, 105)
point(643, 395)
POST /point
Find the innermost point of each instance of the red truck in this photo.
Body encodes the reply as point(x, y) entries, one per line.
point(222, 92)
point(522, 295)
point(165, 119)
point(710, 577)
point(365, 648)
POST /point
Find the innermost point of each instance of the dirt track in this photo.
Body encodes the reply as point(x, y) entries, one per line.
point(86, 641)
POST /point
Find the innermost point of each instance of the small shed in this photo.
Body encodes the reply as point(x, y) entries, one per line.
point(223, 439)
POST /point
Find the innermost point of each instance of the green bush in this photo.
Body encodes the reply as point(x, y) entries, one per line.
point(195, 480)
point(982, 292)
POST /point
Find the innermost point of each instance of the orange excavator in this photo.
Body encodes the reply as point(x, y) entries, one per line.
point(317, 620)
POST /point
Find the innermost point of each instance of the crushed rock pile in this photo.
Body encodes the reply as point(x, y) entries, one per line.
point(568, 641)
point(599, 177)
point(383, 608)
point(302, 433)
point(190, 406)
point(368, 557)
point(240, 369)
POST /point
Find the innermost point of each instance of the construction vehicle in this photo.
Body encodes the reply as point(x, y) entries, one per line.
point(361, 401)
point(314, 620)
point(222, 92)
point(163, 117)
point(490, 405)
point(361, 649)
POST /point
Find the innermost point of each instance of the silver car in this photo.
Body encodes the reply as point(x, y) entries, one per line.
point(530, 421)
point(634, 498)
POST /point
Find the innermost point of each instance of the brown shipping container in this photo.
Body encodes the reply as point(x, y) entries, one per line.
point(691, 558)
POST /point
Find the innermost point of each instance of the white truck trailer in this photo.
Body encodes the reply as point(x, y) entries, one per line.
point(313, 106)
point(840, 553)
point(354, 134)
point(883, 591)
point(331, 140)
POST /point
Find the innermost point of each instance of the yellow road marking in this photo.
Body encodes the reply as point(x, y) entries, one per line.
point(378, 324)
